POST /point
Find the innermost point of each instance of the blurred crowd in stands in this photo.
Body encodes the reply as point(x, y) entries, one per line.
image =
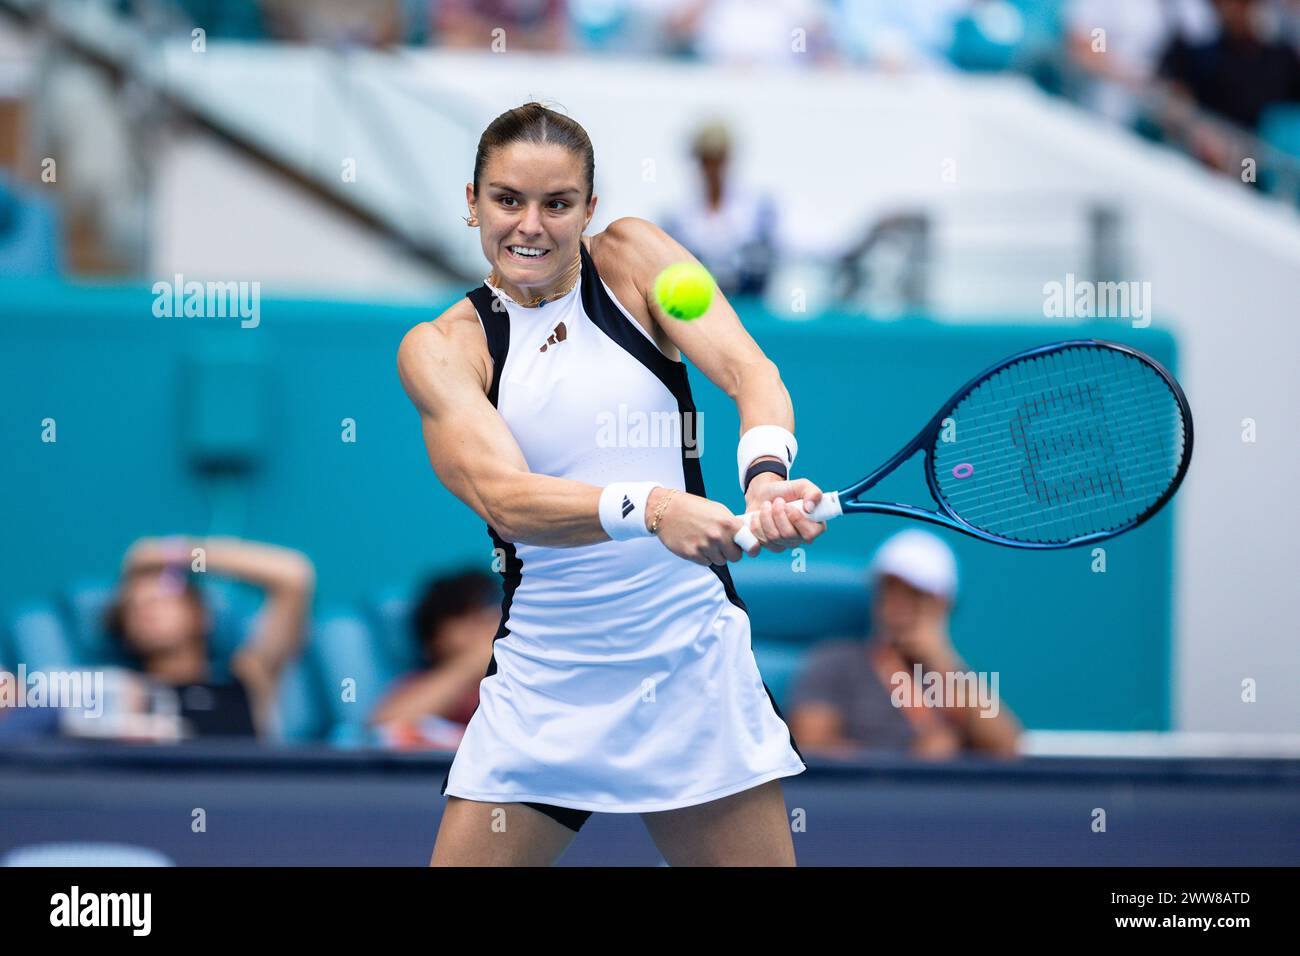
point(165, 680)
point(1216, 79)
point(1233, 58)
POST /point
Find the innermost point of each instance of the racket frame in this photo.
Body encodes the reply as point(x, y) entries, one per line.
point(925, 440)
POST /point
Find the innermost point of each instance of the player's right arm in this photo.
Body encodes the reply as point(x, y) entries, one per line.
point(446, 371)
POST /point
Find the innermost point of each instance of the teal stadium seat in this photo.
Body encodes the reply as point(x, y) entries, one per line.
point(390, 616)
point(792, 610)
point(84, 605)
point(37, 638)
point(303, 712)
point(346, 650)
point(1279, 126)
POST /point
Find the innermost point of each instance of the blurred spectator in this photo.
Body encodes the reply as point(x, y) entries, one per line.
point(80, 120)
point(849, 698)
point(754, 32)
point(731, 229)
point(892, 36)
point(161, 620)
point(526, 24)
point(1117, 44)
point(367, 23)
point(1289, 31)
point(1239, 72)
point(454, 623)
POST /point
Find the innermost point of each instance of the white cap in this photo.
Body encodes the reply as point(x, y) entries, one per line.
point(920, 559)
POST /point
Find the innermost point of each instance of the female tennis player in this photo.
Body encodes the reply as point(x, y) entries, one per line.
point(622, 678)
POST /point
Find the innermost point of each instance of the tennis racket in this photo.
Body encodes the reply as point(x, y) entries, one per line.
point(1054, 447)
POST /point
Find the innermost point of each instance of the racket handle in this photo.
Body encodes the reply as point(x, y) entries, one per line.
point(824, 510)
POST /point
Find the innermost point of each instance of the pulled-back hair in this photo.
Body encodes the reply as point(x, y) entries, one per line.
point(535, 123)
point(447, 597)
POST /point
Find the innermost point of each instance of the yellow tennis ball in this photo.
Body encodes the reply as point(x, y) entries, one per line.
point(684, 290)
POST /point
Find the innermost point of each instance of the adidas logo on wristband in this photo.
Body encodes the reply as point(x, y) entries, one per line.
point(623, 509)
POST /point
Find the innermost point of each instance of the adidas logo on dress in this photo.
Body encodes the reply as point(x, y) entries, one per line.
point(558, 334)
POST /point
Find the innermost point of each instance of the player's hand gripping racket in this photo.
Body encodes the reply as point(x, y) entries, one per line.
point(1053, 447)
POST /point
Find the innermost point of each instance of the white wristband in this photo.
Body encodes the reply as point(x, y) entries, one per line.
point(763, 441)
point(622, 509)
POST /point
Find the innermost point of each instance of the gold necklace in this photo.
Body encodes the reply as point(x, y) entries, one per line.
point(571, 275)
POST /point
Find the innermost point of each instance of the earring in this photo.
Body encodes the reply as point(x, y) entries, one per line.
point(470, 220)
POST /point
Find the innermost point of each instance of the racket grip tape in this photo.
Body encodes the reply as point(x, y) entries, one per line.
point(824, 510)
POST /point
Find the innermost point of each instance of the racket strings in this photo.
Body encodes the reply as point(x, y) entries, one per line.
point(1062, 445)
point(997, 415)
point(1058, 477)
point(1073, 444)
point(1061, 489)
point(1150, 458)
point(1127, 489)
point(1155, 427)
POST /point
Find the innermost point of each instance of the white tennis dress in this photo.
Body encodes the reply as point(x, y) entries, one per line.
point(622, 678)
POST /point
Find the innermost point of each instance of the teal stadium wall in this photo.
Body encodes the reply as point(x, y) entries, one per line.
point(142, 402)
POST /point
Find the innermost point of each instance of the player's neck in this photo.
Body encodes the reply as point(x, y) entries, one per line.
point(533, 296)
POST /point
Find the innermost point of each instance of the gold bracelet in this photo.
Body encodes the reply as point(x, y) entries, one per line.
point(659, 512)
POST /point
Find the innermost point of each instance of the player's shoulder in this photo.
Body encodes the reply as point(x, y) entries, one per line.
point(453, 338)
point(632, 231)
point(634, 248)
point(447, 333)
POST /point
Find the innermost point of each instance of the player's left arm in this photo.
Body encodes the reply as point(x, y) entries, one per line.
point(720, 347)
